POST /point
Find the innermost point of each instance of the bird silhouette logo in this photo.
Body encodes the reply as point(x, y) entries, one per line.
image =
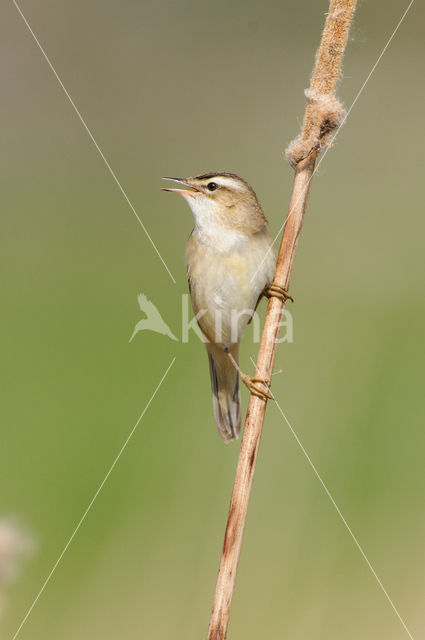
point(153, 320)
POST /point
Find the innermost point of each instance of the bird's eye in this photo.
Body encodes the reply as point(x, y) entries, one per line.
point(212, 186)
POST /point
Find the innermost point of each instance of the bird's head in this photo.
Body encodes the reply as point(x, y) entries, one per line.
point(223, 199)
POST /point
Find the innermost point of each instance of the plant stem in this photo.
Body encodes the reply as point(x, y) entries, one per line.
point(318, 122)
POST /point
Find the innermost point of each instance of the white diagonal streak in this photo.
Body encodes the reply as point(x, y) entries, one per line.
point(356, 542)
point(338, 510)
point(102, 155)
point(83, 517)
point(338, 130)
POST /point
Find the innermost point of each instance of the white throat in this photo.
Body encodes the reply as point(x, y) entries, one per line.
point(210, 232)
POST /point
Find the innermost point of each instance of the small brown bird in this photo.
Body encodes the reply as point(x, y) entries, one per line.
point(230, 266)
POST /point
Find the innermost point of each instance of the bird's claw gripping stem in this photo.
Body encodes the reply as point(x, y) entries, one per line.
point(251, 383)
point(276, 291)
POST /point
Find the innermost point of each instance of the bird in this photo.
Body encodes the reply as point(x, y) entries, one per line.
point(153, 321)
point(230, 265)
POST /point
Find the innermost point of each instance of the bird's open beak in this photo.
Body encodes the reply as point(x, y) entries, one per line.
point(192, 190)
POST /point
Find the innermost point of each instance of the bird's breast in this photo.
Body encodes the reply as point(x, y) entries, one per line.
point(225, 285)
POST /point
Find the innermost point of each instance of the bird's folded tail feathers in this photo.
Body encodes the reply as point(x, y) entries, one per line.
point(225, 389)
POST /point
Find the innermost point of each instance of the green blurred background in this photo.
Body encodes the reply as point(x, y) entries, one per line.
point(178, 89)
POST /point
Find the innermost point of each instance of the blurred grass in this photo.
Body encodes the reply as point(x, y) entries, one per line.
point(179, 89)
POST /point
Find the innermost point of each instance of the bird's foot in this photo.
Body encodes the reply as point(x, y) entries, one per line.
point(251, 383)
point(276, 291)
point(254, 387)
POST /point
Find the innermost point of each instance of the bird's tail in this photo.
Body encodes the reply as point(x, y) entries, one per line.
point(225, 389)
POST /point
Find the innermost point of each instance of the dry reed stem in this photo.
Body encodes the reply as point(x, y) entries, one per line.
point(322, 115)
point(324, 112)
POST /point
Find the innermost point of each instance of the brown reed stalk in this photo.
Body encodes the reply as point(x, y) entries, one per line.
point(323, 114)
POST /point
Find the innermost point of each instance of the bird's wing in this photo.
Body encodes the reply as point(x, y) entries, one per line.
point(147, 306)
point(142, 300)
point(256, 305)
point(188, 279)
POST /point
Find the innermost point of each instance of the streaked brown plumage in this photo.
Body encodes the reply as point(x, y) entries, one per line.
point(229, 264)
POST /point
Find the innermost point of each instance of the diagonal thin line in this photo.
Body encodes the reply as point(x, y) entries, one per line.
point(328, 493)
point(338, 130)
point(111, 468)
point(111, 171)
point(318, 476)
